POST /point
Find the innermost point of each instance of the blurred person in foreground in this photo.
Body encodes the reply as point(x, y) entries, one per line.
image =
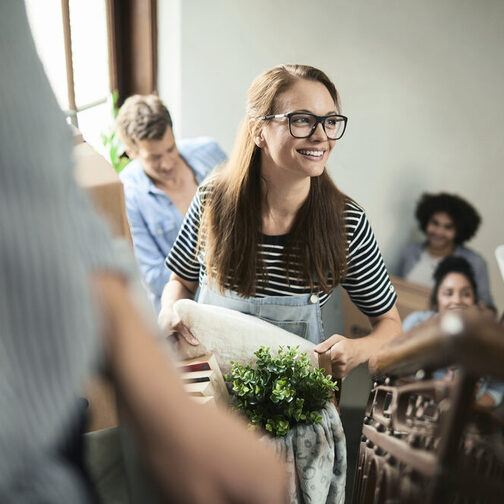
point(455, 288)
point(159, 182)
point(63, 285)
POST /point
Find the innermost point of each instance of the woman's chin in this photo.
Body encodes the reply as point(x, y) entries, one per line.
point(457, 307)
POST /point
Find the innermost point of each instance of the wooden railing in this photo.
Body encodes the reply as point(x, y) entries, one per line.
point(426, 441)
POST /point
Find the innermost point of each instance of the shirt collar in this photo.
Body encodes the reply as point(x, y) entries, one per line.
point(148, 186)
point(144, 182)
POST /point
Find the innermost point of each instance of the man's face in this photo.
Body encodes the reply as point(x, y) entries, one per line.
point(441, 231)
point(158, 157)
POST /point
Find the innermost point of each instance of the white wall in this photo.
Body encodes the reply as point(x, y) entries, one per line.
point(421, 82)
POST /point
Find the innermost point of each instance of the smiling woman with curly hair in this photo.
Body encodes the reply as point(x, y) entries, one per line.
point(448, 221)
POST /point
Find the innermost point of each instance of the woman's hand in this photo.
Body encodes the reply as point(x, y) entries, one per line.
point(486, 400)
point(171, 325)
point(345, 354)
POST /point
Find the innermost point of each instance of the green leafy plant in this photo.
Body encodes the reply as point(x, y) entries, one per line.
point(281, 391)
point(114, 148)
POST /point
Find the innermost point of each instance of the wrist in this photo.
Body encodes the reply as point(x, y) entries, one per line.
point(364, 349)
point(164, 317)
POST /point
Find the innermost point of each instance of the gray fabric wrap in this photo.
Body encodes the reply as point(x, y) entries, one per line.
point(316, 459)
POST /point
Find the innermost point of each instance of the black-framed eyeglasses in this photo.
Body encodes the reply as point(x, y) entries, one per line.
point(303, 124)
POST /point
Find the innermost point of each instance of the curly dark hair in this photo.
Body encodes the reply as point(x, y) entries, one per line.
point(465, 217)
point(452, 264)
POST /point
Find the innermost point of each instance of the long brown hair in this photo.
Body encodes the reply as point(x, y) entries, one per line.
point(232, 216)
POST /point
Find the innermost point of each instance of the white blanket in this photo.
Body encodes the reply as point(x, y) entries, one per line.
point(233, 336)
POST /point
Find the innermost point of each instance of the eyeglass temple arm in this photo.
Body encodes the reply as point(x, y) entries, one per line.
point(277, 116)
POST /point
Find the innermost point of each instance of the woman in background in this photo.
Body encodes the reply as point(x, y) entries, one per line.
point(448, 221)
point(455, 288)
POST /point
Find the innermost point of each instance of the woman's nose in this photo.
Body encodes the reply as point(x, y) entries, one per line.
point(319, 132)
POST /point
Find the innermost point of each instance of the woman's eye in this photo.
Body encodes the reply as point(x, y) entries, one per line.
point(300, 120)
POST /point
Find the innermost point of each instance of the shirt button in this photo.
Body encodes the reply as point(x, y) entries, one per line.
point(313, 298)
point(159, 231)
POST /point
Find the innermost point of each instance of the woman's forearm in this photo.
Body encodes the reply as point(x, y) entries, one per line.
point(384, 330)
point(347, 353)
point(176, 288)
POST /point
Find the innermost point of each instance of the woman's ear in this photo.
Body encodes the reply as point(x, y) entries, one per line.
point(256, 133)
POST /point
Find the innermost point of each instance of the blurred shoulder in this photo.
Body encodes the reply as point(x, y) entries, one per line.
point(415, 318)
point(198, 145)
point(132, 173)
point(413, 249)
point(135, 182)
point(470, 255)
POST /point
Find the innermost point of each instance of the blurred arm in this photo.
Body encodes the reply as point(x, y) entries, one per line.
point(196, 453)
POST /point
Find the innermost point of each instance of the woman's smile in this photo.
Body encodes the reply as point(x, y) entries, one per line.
point(312, 154)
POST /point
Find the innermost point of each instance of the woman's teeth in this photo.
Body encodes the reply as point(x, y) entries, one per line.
point(313, 153)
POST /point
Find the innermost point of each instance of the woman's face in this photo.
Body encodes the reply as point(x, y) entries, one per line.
point(286, 156)
point(455, 292)
point(440, 231)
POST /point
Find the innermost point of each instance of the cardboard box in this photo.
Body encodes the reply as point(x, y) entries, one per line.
point(96, 175)
point(410, 297)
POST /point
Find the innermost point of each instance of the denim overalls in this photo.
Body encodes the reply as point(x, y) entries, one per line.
point(298, 314)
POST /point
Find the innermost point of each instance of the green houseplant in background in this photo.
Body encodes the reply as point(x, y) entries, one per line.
point(114, 148)
point(281, 391)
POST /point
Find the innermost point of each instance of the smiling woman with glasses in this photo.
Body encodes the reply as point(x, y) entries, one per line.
point(271, 234)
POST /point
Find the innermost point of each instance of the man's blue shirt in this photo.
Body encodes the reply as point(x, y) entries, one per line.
point(153, 218)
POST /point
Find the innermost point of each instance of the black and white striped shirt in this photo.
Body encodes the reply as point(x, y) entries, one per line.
point(366, 281)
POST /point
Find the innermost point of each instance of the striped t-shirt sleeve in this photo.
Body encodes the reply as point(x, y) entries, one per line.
point(182, 259)
point(367, 281)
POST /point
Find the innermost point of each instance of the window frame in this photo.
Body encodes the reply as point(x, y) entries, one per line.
point(132, 51)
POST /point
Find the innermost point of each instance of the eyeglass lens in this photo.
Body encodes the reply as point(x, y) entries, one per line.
point(301, 125)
